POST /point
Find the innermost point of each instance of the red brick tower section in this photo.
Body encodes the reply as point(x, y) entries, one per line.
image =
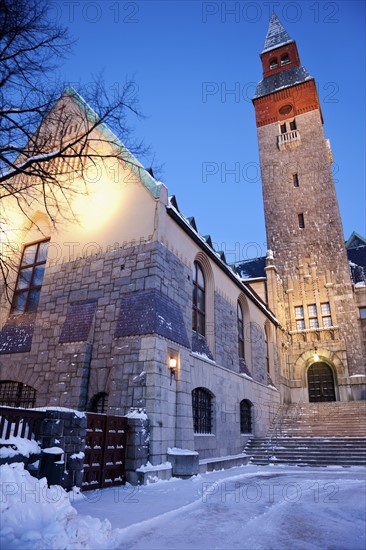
point(303, 224)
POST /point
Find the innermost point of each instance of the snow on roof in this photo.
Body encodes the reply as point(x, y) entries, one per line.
point(145, 177)
point(276, 34)
point(282, 80)
point(231, 270)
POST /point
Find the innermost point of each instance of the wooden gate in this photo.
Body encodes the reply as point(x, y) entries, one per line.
point(105, 449)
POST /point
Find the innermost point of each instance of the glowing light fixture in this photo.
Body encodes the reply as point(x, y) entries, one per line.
point(172, 363)
point(316, 356)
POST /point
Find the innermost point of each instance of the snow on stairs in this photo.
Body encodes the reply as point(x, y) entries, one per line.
point(314, 434)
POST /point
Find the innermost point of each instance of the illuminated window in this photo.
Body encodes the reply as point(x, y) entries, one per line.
point(16, 394)
point(202, 400)
point(199, 305)
point(241, 332)
point(30, 278)
point(299, 315)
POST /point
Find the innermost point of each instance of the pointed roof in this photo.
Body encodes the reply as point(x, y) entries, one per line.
point(276, 35)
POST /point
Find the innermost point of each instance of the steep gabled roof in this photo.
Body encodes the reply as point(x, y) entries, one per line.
point(144, 176)
point(277, 35)
point(355, 240)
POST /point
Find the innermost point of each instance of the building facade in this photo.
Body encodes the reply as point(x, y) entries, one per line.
point(310, 286)
point(125, 305)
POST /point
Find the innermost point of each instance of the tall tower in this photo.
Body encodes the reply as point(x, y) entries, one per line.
point(303, 225)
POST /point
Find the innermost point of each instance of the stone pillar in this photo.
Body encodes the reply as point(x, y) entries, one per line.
point(137, 446)
point(66, 430)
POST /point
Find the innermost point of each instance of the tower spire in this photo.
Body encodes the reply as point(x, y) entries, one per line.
point(276, 35)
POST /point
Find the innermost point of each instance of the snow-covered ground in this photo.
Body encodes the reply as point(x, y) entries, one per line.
point(278, 507)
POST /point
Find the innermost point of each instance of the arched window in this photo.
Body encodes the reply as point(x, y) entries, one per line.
point(273, 64)
point(285, 60)
point(245, 416)
point(98, 403)
point(241, 332)
point(16, 394)
point(199, 301)
point(202, 411)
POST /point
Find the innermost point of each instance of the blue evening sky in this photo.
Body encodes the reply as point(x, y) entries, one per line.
point(195, 65)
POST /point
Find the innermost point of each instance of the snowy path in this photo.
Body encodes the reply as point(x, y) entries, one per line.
point(247, 508)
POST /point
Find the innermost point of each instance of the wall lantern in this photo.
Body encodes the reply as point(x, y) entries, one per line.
point(316, 356)
point(172, 363)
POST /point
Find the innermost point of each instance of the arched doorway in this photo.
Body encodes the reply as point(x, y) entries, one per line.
point(321, 383)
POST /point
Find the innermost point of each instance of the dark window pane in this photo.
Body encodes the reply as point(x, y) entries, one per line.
point(38, 275)
point(19, 302)
point(293, 125)
point(24, 278)
point(200, 323)
point(200, 299)
point(33, 300)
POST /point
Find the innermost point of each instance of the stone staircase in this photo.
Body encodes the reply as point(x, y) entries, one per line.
point(314, 434)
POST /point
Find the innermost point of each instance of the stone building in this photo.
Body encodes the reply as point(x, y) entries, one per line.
point(126, 305)
point(319, 302)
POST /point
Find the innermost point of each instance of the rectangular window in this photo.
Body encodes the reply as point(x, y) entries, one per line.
point(301, 221)
point(30, 278)
point(293, 125)
point(362, 312)
point(283, 128)
point(326, 316)
point(313, 316)
point(299, 315)
point(295, 180)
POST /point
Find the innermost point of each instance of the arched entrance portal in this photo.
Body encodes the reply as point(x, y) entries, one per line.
point(321, 383)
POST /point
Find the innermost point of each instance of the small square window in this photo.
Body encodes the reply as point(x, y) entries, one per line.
point(327, 322)
point(362, 312)
point(300, 324)
point(299, 312)
point(325, 309)
point(312, 310)
point(313, 323)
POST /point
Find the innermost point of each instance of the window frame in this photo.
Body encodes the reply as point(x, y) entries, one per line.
point(326, 315)
point(202, 411)
point(240, 326)
point(246, 418)
point(198, 314)
point(17, 394)
point(362, 312)
point(300, 317)
point(30, 288)
point(313, 317)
